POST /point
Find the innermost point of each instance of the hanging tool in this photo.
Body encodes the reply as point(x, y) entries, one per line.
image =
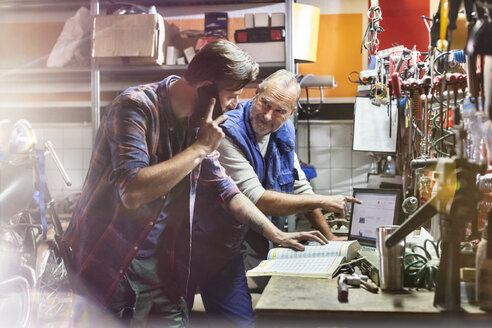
point(442, 43)
point(395, 89)
point(370, 40)
point(426, 82)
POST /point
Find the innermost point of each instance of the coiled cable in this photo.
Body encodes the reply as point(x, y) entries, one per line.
point(421, 270)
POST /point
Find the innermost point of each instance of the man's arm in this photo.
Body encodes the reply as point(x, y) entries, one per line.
point(319, 222)
point(155, 181)
point(277, 203)
point(272, 202)
point(247, 213)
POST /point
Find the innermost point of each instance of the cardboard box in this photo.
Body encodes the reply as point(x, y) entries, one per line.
point(133, 39)
point(172, 55)
point(264, 52)
point(189, 54)
point(262, 20)
point(249, 20)
point(216, 24)
point(277, 19)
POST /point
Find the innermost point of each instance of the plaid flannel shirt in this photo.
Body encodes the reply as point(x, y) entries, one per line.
point(105, 236)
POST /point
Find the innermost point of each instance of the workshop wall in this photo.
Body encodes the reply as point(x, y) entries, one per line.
point(403, 24)
point(339, 169)
point(342, 24)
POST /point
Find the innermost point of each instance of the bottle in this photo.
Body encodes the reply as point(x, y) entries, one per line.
point(483, 281)
point(477, 125)
point(390, 166)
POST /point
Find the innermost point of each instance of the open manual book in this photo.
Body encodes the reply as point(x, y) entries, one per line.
point(321, 261)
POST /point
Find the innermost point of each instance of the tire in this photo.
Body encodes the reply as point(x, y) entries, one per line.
point(15, 302)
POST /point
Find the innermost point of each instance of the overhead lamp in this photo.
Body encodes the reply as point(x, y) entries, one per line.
point(305, 32)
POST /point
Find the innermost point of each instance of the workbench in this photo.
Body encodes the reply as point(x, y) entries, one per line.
point(305, 302)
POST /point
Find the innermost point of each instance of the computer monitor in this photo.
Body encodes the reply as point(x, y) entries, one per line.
point(379, 207)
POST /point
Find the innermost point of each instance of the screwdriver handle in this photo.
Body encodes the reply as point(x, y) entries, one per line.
point(370, 286)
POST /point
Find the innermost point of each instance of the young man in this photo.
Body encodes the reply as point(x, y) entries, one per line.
point(258, 153)
point(130, 232)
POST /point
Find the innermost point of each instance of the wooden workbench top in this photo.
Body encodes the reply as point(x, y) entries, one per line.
point(295, 296)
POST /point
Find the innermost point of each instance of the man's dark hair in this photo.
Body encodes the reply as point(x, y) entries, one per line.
point(223, 63)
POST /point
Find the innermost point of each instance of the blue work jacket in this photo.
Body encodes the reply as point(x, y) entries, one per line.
point(216, 238)
point(276, 170)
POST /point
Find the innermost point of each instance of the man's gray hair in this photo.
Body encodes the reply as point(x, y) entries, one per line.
point(284, 79)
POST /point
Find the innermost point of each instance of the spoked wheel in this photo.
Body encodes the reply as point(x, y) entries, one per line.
point(54, 299)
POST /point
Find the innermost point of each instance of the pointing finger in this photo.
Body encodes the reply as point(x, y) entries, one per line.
point(353, 200)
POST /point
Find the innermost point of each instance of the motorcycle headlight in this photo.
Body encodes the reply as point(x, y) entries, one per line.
point(22, 137)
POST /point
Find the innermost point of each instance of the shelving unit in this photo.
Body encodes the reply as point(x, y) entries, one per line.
point(98, 72)
point(96, 79)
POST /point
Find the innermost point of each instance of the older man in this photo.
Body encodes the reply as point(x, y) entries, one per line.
point(258, 153)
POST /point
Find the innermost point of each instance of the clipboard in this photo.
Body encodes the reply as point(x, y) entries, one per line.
point(372, 130)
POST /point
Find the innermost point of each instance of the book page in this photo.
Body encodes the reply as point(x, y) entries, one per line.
point(345, 249)
point(314, 267)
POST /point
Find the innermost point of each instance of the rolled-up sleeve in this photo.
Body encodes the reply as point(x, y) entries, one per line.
point(212, 173)
point(127, 137)
point(240, 170)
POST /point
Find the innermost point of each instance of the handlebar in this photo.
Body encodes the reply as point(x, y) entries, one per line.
point(59, 166)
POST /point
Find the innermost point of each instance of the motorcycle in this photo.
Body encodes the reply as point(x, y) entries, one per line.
point(34, 275)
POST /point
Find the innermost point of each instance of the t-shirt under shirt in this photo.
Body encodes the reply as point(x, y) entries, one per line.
point(238, 167)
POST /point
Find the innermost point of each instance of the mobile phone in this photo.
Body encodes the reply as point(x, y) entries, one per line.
point(206, 93)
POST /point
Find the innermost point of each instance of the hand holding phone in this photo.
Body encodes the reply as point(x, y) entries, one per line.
point(205, 93)
point(210, 133)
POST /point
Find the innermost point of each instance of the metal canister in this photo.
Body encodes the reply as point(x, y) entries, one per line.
point(390, 258)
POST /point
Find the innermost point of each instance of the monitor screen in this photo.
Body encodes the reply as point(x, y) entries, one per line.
point(379, 207)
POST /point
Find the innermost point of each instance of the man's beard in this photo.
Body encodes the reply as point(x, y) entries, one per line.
point(260, 127)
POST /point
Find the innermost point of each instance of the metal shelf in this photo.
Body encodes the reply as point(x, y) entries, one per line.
point(43, 5)
point(50, 5)
point(71, 74)
point(47, 104)
point(77, 79)
point(98, 72)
